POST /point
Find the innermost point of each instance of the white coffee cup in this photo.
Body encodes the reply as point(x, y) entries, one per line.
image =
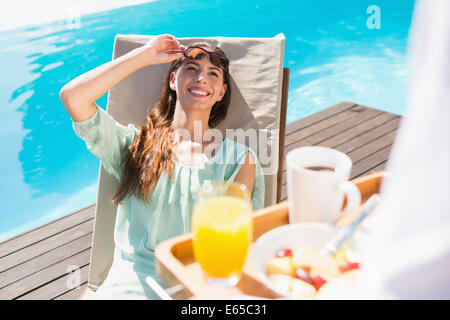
point(315, 195)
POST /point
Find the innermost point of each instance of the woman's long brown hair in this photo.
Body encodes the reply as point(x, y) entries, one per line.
point(150, 154)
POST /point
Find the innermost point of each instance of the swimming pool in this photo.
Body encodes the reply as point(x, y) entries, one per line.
point(46, 170)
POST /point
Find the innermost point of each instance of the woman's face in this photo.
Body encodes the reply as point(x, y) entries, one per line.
point(198, 83)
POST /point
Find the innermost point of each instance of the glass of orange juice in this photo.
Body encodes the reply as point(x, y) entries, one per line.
point(222, 231)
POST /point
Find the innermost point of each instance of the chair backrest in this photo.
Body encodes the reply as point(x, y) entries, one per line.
point(256, 69)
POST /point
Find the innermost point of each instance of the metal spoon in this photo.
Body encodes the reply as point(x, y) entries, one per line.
point(333, 245)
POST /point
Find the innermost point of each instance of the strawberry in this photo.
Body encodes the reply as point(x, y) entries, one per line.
point(347, 266)
point(319, 282)
point(303, 274)
point(285, 252)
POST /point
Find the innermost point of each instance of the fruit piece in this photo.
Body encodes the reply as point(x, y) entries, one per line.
point(340, 256)
point(280, 265)
point(347, 266)
point(319, 278)
point(307, 268)
point(285, 252)
point(340, 287)
point(302, 274)
point(302, 290)
point(305, 250)
point(316, 272)
point(307, 257)
point(318, 282)
point(352, 256)
point(281, 282)
point(326, 276)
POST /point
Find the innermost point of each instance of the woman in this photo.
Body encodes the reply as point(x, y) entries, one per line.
point(159, 171)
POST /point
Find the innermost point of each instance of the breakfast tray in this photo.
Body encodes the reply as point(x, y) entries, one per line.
point(175, 261)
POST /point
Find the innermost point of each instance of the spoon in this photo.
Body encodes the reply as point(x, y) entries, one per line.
point(333, 245)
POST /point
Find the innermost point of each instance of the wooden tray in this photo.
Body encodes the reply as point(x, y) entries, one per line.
point(175, 261)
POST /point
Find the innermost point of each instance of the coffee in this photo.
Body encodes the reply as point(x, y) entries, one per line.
point(320, 168)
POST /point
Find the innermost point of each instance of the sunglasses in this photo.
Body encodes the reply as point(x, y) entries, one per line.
point(197, 53)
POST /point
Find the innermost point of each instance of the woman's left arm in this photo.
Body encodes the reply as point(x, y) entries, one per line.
point(246, 174)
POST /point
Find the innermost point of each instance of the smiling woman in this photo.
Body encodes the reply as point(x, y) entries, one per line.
point(153, 201)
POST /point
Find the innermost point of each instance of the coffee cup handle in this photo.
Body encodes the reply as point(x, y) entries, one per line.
point(353, 197)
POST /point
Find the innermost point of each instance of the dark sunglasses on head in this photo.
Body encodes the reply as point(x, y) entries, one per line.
point(197, 53)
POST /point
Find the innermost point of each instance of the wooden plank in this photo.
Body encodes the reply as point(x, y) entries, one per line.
point(358, 130)
point(380, 167)
point(342, 125)
point(319, 116)
point(331, 127)
point(303, 133)
point(45, 260)
point(364, 115)
point(59, 286)
point(370, 162)
point(44, 276)
point(46, 245)
point(372, 147)
point(74, 294)
point(369, 136)
point(21, 241)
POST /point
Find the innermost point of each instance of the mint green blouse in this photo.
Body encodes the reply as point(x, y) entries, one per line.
point(139, 227)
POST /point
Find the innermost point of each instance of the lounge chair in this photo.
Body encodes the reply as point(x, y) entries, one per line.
point(259, 98)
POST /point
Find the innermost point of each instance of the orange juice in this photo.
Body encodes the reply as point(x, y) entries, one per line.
point(222, 229)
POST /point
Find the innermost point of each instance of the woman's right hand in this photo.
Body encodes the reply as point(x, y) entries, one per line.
point(161, 49)
point(79, 95)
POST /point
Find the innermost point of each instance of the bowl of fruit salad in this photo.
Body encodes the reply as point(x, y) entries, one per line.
point(287, 259)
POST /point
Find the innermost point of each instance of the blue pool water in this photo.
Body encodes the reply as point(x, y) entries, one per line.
point(47, 171)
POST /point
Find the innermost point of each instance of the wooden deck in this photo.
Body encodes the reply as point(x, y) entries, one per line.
point(38, 264)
